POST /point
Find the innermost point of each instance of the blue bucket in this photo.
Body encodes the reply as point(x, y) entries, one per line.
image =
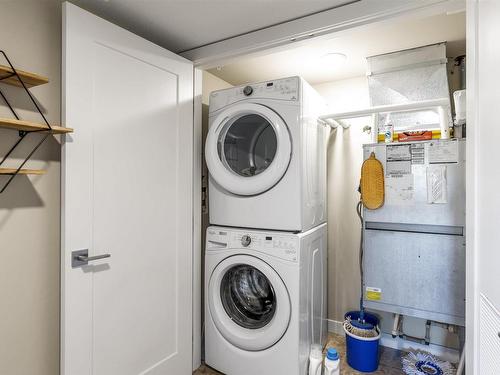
point(362, 352)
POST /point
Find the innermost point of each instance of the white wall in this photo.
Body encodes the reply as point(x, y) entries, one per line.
point(29, 208)
point(212, 83)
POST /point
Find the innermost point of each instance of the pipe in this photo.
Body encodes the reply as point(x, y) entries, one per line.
point(402, 107)
point(395, 326)
point(461, 363)
point(374, 133)
point(334, 124)
point(443, 123)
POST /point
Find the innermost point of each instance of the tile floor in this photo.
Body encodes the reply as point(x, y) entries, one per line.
point(390, 360)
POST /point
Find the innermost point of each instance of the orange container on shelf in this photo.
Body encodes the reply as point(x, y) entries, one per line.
point(415, 136)
point(434, 134)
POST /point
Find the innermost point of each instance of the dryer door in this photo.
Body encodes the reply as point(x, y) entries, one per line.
point(248, 302)
point(248, 149)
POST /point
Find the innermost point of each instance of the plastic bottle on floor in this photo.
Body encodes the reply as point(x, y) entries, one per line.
point(315, 360)
point(332, 362)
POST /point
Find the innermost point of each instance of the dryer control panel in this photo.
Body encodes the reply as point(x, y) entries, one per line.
point(280, 89)
point(275, 244)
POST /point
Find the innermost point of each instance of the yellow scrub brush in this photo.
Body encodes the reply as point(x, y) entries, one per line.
point(372, 183)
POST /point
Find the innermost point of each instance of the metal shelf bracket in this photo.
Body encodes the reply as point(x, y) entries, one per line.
point(22, 133)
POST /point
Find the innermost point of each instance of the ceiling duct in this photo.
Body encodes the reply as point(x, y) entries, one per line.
point(413, 75)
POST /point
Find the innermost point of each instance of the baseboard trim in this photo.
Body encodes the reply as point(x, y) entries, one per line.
point(447, 354)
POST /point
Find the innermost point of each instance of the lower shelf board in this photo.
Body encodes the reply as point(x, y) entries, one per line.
point(11, 171)
point(29, 126)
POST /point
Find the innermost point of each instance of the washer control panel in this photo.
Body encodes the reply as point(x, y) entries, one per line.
point(283, 246)
point(280, 89)
point(246, 240)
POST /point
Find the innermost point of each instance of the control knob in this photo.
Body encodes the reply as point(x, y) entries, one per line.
point(247, 90)
point(245, 240)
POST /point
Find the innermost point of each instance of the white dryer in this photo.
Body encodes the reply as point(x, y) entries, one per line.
point(265, 300)
point(266, 153)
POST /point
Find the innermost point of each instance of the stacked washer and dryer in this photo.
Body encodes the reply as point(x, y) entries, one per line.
point(265, 258)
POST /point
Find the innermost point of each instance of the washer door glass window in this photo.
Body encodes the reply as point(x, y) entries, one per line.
point(248, 302)
point(248, 145)
point(248, 297)
point(248, 149)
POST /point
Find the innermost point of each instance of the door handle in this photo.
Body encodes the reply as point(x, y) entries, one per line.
point(84, 258)
point(81, 258)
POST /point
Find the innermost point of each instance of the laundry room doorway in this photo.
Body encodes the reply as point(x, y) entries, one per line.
point(336, 66)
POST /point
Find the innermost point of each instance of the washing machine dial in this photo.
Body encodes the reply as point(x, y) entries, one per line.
point(247, 90)
point(245, 240)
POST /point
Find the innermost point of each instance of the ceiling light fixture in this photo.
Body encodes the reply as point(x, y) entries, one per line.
point(334, 58)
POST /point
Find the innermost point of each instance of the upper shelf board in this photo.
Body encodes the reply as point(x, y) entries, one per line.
point(11, 171)
point(28, 126)
point(29, 79)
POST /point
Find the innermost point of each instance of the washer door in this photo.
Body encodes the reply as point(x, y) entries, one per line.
point(248, 302)
point(248, 149)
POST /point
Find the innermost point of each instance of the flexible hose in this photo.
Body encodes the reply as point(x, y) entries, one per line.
point(359, 210)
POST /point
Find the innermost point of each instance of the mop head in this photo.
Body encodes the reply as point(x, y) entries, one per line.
point(422, 363)
point(360, 329)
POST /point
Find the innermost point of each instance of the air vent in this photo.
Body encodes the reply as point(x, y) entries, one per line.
point(489, 338)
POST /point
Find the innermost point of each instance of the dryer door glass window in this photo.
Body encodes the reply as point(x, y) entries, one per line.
point(248, 145)
point(248, 296)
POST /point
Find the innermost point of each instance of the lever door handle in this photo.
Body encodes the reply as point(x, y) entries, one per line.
point(87, 259)
point(81, 258)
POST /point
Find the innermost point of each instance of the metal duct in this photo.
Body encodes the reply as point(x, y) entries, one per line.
point(408, 76)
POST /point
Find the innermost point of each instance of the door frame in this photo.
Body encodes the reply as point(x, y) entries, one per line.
point(197, 216)
point(322, 24)
point(471, 256)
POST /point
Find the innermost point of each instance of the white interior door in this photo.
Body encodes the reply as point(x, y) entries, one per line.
point(127, 191)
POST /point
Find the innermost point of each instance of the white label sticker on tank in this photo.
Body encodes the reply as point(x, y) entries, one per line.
point(398, 152)
point(418, 153)
point(398, 167)
point(443, 152)
point(437, 186)
point(399, 189)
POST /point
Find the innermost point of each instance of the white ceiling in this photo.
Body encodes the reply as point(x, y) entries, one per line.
point(358, 44)
point(180, 25)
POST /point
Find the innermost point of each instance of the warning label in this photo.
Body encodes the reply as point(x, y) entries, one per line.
point(373, 294)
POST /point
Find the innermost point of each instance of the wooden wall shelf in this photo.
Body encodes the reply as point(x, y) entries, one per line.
point(29, 126)
point(12, 171)
point(20, 78)
point(30, 79)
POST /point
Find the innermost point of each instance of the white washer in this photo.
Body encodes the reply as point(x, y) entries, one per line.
point(266, 153)
point(265, 300)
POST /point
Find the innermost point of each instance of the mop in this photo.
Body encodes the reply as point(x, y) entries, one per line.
point(422, 363)
point(360, 327)
point(372, 196)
